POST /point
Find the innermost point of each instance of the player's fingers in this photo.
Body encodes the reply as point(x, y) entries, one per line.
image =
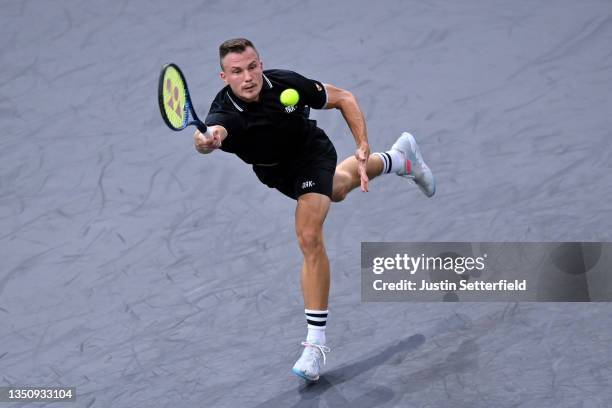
point(364, 185)
point(216, 140)
point(363, 175)
point(198, 137)
point(203, 144)
point(207, 142)
point(200, 141)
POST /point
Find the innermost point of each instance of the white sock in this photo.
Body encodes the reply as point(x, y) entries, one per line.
point(393, 161)
point(317, 320)
point(316, 336)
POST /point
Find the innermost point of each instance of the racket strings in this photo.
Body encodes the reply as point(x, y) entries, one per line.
point(174, 102)
point(174, 106)
point(174, 96)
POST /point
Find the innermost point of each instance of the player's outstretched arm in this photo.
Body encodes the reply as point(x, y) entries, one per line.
point(346, 102)
point(206, 145)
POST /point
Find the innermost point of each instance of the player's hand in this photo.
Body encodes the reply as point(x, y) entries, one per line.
point(205, 144)
point(362, 154)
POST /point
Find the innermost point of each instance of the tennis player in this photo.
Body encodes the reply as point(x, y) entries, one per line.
point(290, 153)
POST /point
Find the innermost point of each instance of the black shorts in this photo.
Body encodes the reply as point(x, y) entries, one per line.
point(310, 172)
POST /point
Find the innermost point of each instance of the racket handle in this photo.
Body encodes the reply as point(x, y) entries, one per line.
point(202, 128)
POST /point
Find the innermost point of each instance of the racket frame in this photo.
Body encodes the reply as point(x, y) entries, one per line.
point(189, 110)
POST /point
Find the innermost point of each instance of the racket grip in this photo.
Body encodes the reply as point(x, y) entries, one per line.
point(203, 128)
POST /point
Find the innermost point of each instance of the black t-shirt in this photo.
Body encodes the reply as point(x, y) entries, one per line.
point(267, 132)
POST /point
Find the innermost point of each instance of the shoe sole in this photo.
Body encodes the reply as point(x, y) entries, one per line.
point(302, 375)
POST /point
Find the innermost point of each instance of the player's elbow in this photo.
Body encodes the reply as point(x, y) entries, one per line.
point(347, 102)
point(338, 98)
point(346, 99)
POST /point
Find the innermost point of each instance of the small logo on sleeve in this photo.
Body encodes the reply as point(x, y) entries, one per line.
point(290, 108)
point(318, 87)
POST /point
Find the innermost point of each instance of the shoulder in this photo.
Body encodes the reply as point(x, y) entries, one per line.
point(283, 76)
point(312, 90)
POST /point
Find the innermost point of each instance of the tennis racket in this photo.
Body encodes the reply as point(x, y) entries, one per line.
point(174, 101)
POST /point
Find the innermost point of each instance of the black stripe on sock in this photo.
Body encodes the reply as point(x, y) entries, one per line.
point(390, 162)
point(316, 314)
point(385, 158)
point(314, 323)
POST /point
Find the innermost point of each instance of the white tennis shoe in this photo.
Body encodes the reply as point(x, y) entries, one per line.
point(308, 365)
point(415, 167)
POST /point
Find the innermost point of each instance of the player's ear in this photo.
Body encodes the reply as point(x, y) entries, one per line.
point(223, 77)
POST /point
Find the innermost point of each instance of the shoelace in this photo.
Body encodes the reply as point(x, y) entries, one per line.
point(322, 349)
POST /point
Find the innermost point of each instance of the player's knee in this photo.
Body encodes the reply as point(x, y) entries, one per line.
point(342, 184)
point(310, 239)
point(338, 195)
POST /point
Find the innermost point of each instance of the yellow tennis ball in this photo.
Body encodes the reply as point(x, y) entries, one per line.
point(289, 97)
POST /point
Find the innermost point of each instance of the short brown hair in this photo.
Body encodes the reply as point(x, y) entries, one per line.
point(237, 45)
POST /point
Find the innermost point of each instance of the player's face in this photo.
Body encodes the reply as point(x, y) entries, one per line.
point(244, 74)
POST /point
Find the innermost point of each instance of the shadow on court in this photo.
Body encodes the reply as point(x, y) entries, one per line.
point(327, 388)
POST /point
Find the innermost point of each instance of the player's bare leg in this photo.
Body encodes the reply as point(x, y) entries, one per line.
point(310, 213)
point(347, 177)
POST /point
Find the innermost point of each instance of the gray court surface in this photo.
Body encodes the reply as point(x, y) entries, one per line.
point(147, 275)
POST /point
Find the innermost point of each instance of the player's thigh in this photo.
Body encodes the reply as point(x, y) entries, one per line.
point(310, 213)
